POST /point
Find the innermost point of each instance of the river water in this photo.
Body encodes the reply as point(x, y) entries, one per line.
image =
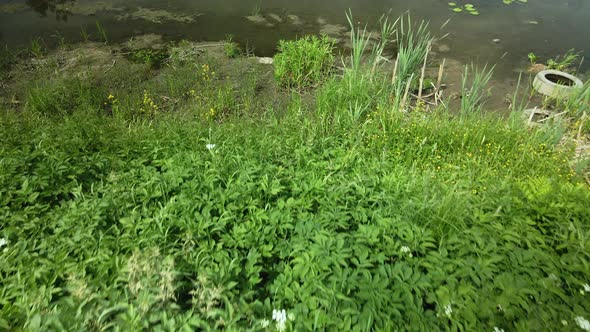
point(502, 34)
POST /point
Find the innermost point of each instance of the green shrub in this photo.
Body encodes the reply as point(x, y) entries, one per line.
point(38, 48)
point(565, 62)
point(152, 57)
point(7, 58)
point(303, 63)
point(349, 98)
point(231, 48)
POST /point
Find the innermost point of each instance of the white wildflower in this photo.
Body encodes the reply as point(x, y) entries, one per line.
point(583, 323)
point(3, 242)
point(448, 310)
point(280, 316)
point(406, 250)
point(586, 288)
point(210, 146)
point(264, 323)
point(497, 329)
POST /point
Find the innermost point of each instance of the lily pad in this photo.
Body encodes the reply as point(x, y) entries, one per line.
point(457, 10)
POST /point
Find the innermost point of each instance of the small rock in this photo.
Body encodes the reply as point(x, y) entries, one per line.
point(332, 30)
point(295, 19)
point(276, 18)
point(536, 68)
point(265, 60)
point(497, 40)
point(443, 48)
point(259, 19)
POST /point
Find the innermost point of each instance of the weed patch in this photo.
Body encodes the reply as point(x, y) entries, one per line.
point(65, 97)
point(152, 57)
point(303, 63)
point(231, 48)
point(219, 226)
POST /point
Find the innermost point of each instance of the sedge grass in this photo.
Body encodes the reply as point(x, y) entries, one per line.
point(473, 87)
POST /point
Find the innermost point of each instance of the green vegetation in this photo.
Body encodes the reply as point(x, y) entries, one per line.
point(533, 58)
point(232, 49)
point(152, 57)
point(473, 85)
point(7, 58)
point(37, 47)
point(180, 198)
point(102, 32)
point(52, 98)
point(469, 8)
point(257, 8)
point(564, 62)
point(84, 34)
point(576, 107)
point(303, 63)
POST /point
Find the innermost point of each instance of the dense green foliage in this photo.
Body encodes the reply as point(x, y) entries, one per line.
point(177, 200)
point(231, 48)
point(151, 57)
point(304, 62)
point(140, 226)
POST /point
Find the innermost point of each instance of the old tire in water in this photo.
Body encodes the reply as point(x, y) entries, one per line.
point(556, 84)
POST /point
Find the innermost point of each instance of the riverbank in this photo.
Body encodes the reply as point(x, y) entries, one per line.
point(178, 188)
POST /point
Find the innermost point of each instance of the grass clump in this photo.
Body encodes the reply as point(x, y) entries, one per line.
point(565, 62)
point(7, 58)
point(38, 48)
point(231, 48)
point(473, 87)
point(50, 97)
point(154, 58)
point(185, 210)
point(303, 63)
point(365, 89)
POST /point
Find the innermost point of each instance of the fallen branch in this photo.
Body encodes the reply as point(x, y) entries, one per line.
point(441, 70)
point(111, 67)
point(394, 76)
point(404, 99)
point(423, 72)
point(582, 120)
point(550, 117)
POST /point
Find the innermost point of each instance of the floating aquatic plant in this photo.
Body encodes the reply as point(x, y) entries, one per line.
point(469, 8)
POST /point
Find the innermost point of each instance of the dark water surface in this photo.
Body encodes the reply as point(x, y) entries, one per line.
point(545, 27)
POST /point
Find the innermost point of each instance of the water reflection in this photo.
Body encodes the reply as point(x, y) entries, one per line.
point(53, 6)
